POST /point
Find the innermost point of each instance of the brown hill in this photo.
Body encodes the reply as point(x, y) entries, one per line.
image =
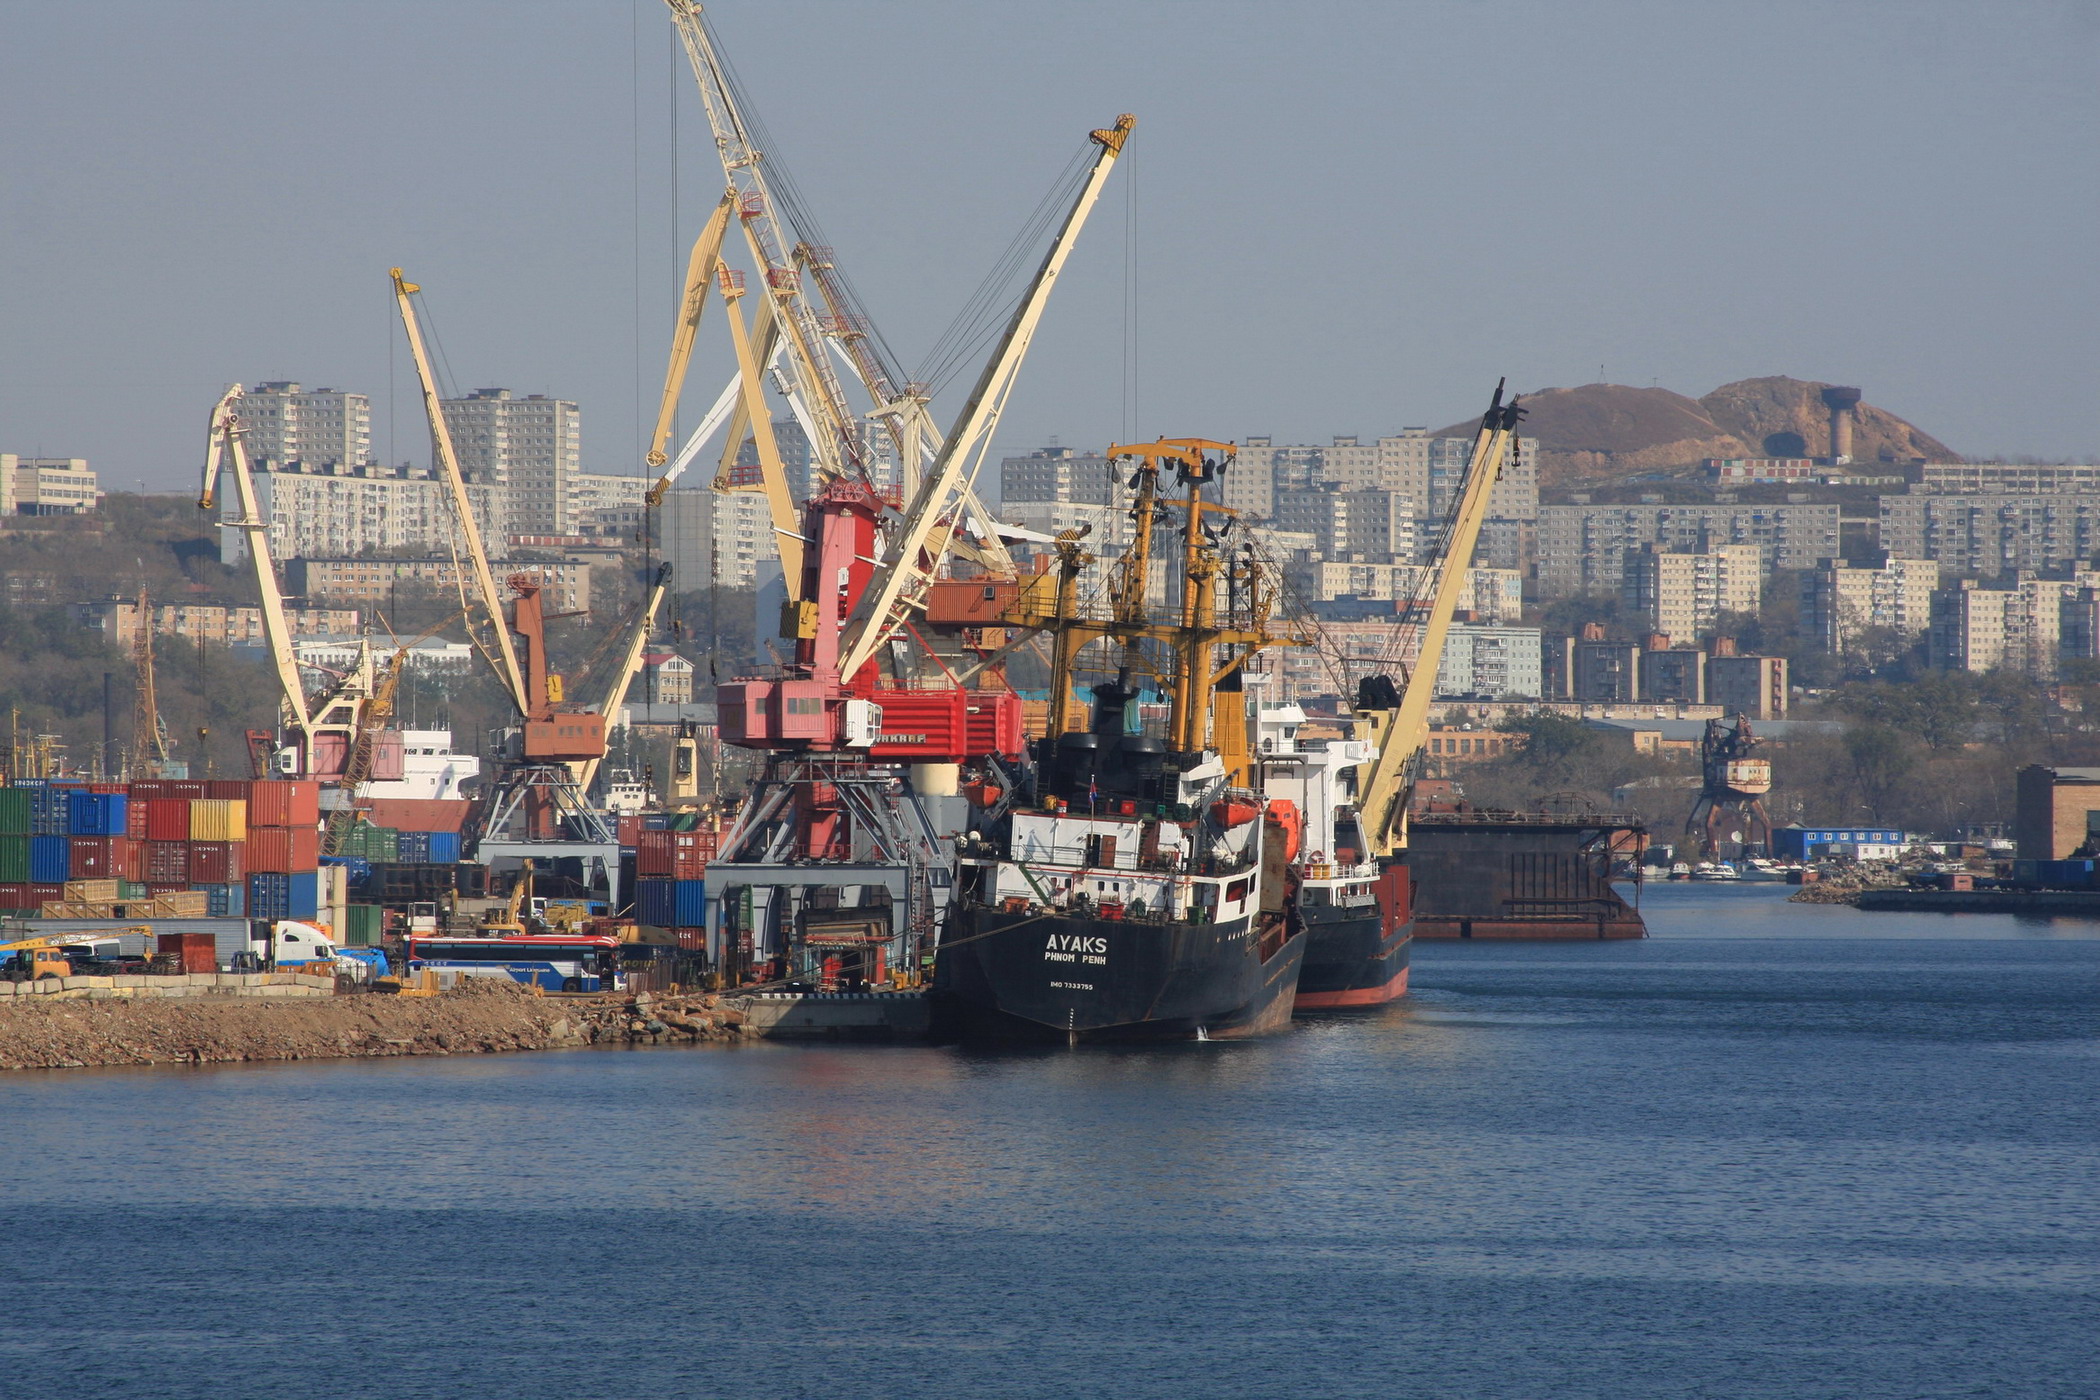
point(1600, 433)
point(1782, 417)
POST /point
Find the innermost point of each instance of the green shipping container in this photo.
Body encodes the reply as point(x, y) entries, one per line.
point(14, 811)
point(130, 889)
point(14, 860)
point(365, 924)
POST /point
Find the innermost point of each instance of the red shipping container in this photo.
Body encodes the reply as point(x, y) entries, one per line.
point(197, 952)
point(283, 850)
point(40, 895)
point(284, 803)
point(188, 789)
point(135, 819)
point(107, 858)
point(108, 787)
point(416, 813)
point(217, 862)
point(167, 860)
point(146, 788)
point(681, 855)
point(160, 887)
point(630, 828)
point(227, 789)
point(167, 818)
point(14, 896)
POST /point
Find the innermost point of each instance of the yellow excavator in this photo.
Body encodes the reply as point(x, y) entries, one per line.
point(512, 922)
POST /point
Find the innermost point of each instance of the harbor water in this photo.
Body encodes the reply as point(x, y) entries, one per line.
point(1774, 1151)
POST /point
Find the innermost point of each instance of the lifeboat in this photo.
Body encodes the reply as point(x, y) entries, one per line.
point(1232, 812)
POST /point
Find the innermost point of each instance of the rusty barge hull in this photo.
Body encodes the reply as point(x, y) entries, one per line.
point(1521, 875)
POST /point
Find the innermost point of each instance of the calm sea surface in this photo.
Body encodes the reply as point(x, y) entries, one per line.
point(1775, 1151)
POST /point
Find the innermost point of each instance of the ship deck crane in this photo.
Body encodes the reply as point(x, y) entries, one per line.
point(1395, 718)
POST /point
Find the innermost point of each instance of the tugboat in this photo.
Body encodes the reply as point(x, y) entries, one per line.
point(1141, 889)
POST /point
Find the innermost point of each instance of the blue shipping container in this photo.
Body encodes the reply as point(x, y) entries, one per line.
point(96, 813)
point(50, 860)
point(444, 848)
point(672, 903)
point(50, 811)
point(304, 894)
point(226, 901)
point(413, 847)
point(269, 896)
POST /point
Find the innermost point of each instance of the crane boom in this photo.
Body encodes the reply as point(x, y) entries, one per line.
point(699, 272)
point(630, 662)
point(916, 548)
point(224, 452)
point(1396, 719)
point(448, 462)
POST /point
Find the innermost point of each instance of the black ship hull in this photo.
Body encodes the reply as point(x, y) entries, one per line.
point(1058, 979)
point(1356, 954)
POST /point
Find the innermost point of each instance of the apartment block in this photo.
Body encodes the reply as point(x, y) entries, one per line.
point(1500, 663)
point(340, 510)
point(46, 486)
point(721, 536)
point(283, 424)
point(568, 586)
point(1583, 548)
point(117, 619)
point(1840, 601)
point(1986, 535)
point(1673, 675)
point(1060, 474)
point(532, 446)
point(2006, 478)
point(2012, 628)
point(1683, 595)
point(1755, 686)
point(1424, 469)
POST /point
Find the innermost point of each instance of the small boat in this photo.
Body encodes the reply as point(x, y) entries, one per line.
point(1716, 870)
point(1680, 871)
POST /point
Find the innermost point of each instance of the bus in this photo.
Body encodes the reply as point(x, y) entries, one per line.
point(556, 962)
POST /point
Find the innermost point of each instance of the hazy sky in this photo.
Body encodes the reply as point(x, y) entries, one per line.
point(1347, 217)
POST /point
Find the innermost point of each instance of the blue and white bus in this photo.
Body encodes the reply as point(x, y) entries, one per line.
point(556, 962)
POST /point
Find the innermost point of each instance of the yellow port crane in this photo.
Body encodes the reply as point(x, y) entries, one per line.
point(1394, 718)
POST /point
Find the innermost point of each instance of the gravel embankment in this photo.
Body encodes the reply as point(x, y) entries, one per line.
point(482, 1016)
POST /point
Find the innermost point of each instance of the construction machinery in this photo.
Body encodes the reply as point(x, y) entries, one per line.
point(1733, 781)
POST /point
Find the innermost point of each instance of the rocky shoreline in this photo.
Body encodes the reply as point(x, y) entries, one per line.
point(482, 1016)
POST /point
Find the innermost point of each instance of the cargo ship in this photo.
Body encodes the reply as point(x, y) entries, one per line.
point(1139, 896)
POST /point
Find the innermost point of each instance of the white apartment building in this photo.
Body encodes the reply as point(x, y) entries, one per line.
point(2016, 628)
point(1492, 596)
point(1583, 548)
point(1988, 534)
point(723, 536)
point(1060, 474)
point(532, 446)
point(1500, 662)
point(340, 510)
point(1839, 602)
point(46, 486)
point(283, 423)
point(1683, 594)
point(1413, 464)
point(1478, 659)
point(2006, 478)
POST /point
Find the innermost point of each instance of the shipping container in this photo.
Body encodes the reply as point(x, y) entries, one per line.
point(218, 819)
point(50, 812)
point(50, 860)
point(192, 952)
point(97, 815)
point(677, 855)
point(282, 849)
point(413, 847)
point(167, 819)
point(276, 896)
point(226, 901)
point(671, 903)
point(105, 857)
point(227, 789)
point(16, 806)
point(217, 862)
point(628, 828)
point(146, 788)
point(167, 860)
point(131, 889)
point(188, 789)
point(284, 803)
point(419, 813)
point(444, 847)
point(14, 860)
point(135, 819)
point(14, 896)
point(363, 924)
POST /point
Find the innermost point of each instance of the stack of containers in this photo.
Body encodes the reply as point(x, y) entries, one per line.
point(670, 891)
point(15, 832)
point(283, 850)
point(99, 841)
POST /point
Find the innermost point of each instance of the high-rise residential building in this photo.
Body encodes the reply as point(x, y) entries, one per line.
point(531, 446)
point(1991, 534)
point(1840, 601)
point(568, 585)
point(1673, 675)
point(1583, 548)
point(1491, 596)
point(723, 537)
point(2005, 478)
point(1755, 686)
point(2011, 628)
point(283, 423)
point(1059, 474)
point(341, 510)
point(46, 486)
point(1424, 469)
point(1501, 663)
point(1683, 594)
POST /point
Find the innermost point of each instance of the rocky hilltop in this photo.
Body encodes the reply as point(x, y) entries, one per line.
point(1600, 433)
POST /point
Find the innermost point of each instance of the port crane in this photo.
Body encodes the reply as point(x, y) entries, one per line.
point(1394, 717)
point(149, 736)
point(829, 810)
point(790, 330)
point(324, 726)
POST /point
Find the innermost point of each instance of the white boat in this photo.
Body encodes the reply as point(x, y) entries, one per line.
point(1680, 871)
point(1767, 871)
point(1716, 870)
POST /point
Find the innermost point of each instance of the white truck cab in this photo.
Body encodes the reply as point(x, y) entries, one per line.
point(294, 944)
